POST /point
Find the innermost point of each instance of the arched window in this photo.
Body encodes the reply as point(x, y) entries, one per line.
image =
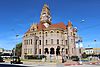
point(46, 33)
point(51, 32)
point(57, 41)
point(57, 31)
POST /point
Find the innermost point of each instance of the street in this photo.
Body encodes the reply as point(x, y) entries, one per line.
point(45, 65)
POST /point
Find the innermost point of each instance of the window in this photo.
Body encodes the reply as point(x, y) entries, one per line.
point(66, 42)
point(66, 51)
point(46, 42)
point(35, 33)
point(51, 32)
point(31, 41)
point(57, 31)
point(51, 41)
point(36, 42)
point(57, 41)
point(40, 42)
point(62, 42)
point(72, 50)
point(27, 42)
point(46, 33)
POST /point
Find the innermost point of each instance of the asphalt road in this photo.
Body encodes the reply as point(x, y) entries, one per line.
point(10, 65)
point(44, 65)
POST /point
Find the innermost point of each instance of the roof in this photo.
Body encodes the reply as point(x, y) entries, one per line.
point(40, 26)
point(58, 25)
point(69, 24)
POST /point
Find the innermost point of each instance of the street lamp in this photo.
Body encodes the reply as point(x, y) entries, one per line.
point(79, 45)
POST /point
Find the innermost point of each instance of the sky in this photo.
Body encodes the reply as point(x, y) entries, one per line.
point(16, 16)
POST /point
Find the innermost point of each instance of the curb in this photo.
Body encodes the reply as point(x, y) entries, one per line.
point(94, 63)
point(71, 64)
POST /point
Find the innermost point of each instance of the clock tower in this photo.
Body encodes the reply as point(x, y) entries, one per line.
point(45, 17)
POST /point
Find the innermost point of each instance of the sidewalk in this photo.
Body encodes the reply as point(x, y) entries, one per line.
point(70, 62)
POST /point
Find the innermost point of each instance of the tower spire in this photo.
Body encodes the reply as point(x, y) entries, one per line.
point(69, 23)
point(45, 16)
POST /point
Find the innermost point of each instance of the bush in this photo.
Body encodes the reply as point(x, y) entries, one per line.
point(84, 55)
point(75, 58)
point(36, 56)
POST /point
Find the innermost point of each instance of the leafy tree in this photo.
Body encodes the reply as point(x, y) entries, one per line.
point(18, 49)
point(84, 55)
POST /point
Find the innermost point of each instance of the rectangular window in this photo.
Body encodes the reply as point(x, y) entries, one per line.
point(62, 42)
point(51, 41)
point(46, 42)
point(57, 41)
point(66, 51)
point(72, 50)
point(66, 41)
point(36, 42)
point(40, 42)
point(27, 42)
point(31, 41)
point(46, 33)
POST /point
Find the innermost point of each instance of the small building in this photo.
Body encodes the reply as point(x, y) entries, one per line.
point(6, 53)
point(88, 51)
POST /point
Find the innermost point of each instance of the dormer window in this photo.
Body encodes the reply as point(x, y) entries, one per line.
point(57, 31)
point(51, 32)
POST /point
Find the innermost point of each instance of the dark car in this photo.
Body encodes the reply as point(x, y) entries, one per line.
point(16, 60)
point(1, 59)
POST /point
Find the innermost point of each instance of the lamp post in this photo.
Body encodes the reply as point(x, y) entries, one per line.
point(96, 46)
point(79, 42)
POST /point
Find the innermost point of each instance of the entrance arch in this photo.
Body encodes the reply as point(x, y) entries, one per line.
point(52, 51)
point(46, 51)
point(58, 50)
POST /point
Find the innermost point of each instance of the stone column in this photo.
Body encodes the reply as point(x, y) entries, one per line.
point(33, 43)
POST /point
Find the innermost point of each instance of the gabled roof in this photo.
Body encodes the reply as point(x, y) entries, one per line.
point(69, 23)
point(40, 26)
point(58, 25)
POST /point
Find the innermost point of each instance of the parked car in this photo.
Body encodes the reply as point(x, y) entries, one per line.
point(1, 59)
point(16, 60)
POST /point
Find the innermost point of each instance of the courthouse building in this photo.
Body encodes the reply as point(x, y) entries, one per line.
point(45, 38)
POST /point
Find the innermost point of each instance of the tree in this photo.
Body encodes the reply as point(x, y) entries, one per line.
point(18, 49)
point(84, 55)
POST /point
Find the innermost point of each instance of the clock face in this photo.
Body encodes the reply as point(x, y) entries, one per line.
point(46, 25)
point(45, 18)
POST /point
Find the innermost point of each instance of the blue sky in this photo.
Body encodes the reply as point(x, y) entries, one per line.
point(16, 16)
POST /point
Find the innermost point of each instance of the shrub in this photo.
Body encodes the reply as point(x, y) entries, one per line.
point(84, 55)
point(36, 56)
point(75, 58)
